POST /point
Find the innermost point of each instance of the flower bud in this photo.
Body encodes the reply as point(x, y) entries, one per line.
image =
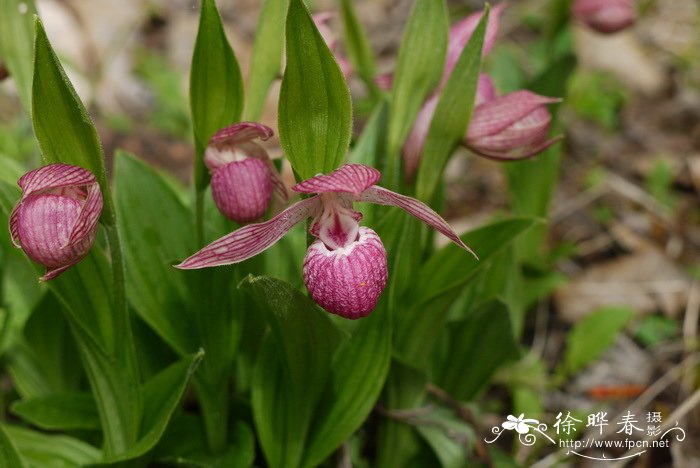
point(510, 127)
point(243, 177)
point(604, 16)
point(347, 281)
point(55, 222)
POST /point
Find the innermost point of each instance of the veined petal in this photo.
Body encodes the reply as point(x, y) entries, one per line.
point(14, 225)
point(241, 133)
point(89, 215)
point(462, 31)
point(485, 90)
point(499, 114)
point(519, 153)
point(417, 208)
point(349, 178)
point(252, 239)
point(413, 147)
point(52, 273)
point(55, 176)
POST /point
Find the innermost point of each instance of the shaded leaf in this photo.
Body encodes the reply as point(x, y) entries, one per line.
point(357, 44)
point(45, 451)
point(9, 456)
point(60, 411)
point(16, 44)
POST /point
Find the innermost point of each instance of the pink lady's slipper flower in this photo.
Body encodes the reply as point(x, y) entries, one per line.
point(511, 127)
point(345, 269)
point(331, 39)
point(604, 16)
point(243, 177)
point(55, 221)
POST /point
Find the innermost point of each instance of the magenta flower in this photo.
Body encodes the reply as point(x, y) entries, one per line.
point(55, 221)
point(243, 176)
point(345, 269)
point(331, 39)
point(604, 16)
point(511, 127)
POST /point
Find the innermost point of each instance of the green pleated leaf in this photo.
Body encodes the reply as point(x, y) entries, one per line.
point(370, 146)
point(152, 244)
point(479, 345)
point(9, 456)
point(161, 397)
point(452, 114)
point(418, 71)
point(315, 111)
point(358, 372)
point(438, 284)
point(60, 411)
point(266, 61)
point(17, 44)
point(41, 450)
point(216, 86)
point(296, 357)
point(61, 123)
point(357, 44)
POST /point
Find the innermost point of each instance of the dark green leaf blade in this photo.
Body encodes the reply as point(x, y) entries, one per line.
point(266, 60)
point(315, 111)
point(152, 244)
point(216, 86)
point(360, 367)
point(479, 345)
point(357, 44)
point(9, 456)
point(452, 114)
point(420, 64)
point(296, 357)
point(43, 450)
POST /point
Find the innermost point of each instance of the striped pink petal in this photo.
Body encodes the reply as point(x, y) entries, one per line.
point(518, 154)
point(252, 239)
point(604, 16)
point(495, 116)
point(242, 132)
point(417, 208)
point(242, 189)
point(55, 176)
point(89, 216)
point(485, 90)
point(461, 32)
point(349, 178)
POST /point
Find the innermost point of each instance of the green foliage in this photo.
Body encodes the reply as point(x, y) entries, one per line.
point(452, 114)
point(597, 97)
point(418, 71)
point(216, 85)
point(16, 44)
point(593, 335)
point(358, 45)
point(315, 111)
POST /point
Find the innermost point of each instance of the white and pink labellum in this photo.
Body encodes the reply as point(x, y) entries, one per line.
point(604, 16)
point(345, 269)
point(511, 127)
point(243, 176)
point(55, 221)
point(322, 21)
point(347, 280)
point(413, 147)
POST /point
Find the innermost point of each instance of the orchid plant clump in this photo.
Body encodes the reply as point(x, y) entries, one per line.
point(275, 380)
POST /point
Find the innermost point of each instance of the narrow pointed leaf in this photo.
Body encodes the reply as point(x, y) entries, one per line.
point(216, 86)
point(16, 44)
point(315, 111)
point(358, 372)
point(452, 114)
point(61, 123)
point(266, 61)
point(418, 71)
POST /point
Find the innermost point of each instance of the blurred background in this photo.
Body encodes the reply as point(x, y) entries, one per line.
point(624, 223)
